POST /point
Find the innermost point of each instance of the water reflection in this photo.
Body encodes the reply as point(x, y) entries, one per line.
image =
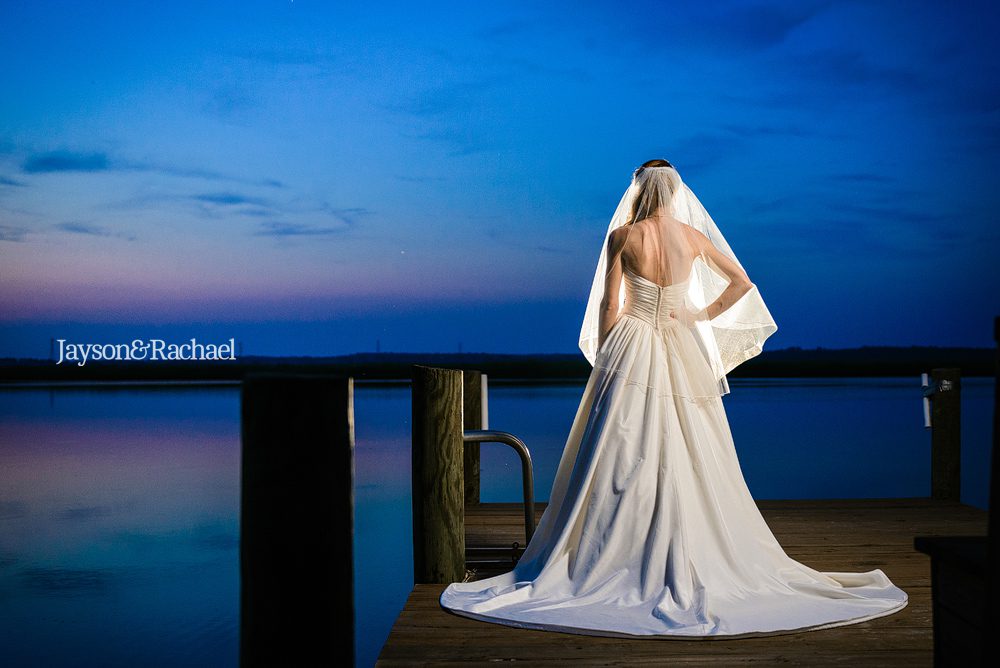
point(119, 508)
point(119, 529)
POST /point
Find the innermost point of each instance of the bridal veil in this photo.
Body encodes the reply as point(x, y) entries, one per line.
point(728, 339)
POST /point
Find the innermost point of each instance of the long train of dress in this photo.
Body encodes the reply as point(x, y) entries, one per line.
point(650, 529)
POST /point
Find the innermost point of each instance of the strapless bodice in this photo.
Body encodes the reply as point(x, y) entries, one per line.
point(653, 303)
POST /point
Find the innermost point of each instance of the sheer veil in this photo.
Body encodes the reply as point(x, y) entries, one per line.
point(676, 244)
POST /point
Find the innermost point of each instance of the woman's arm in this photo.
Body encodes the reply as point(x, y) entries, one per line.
point(608, 314)
point(739, 282)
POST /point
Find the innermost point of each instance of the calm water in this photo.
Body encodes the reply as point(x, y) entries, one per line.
point(119, 508)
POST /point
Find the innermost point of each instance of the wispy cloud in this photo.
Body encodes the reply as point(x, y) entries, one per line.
point(701, 150)
point(221, 205)
point(826, 224)
point(863, 177)
point(774, 204)
point(736, 27)
point(447, 98)
point(198, 173)
point(463, 140)
point(74, 227)
point(279, 229)
point(846, 66)
point(230, 102)
point(508, 37)
point(347, 215)
point(505, 238)
point(289, 55)
point(767, 130)
point(66, 161)
point(343, 220)
point(12, 233)
point(229, 199)
point(899, 215)
point(98, 161)
point(411, 178)
point(513, 28)
point(760, 26)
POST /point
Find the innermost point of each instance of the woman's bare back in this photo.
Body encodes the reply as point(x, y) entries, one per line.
point(659, 250)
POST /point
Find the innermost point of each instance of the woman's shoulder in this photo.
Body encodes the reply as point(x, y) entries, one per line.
point(618, 236)
point(697, 236)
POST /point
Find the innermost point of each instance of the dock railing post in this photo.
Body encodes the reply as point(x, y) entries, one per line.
point(472, 418)
point(438, 476)
point(946, 435)
point(297, 520)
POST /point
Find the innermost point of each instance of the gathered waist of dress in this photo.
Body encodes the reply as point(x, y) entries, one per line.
point(651, 302)
point(656, 312)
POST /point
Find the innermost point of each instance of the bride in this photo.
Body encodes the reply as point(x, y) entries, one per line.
point(650, 529)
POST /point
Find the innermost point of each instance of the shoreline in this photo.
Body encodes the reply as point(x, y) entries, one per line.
point(866, 361)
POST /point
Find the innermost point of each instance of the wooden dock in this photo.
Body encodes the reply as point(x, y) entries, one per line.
point(829, 535)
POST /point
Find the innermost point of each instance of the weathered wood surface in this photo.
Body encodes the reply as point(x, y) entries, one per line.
point(472, 418)
point(831, 535)
point(946, 434)
point(437, 475)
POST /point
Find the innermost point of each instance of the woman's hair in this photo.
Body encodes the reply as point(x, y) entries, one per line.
point(654, 163)
point(651, 192)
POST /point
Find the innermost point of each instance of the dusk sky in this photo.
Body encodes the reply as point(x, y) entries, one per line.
point(313, 178)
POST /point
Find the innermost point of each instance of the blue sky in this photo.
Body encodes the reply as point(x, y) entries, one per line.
point(313, 178)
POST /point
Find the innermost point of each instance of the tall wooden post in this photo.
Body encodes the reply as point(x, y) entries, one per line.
point(297, 520)
point(438, 485)
point(995, 458)
point(993, 541)
point(472, 418)
point(946, 435)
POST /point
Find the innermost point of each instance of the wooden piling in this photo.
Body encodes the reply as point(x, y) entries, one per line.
point(964, 569)
point(995, 463)
point(438, 476)
point(472, 418)
point(946, 435)
point(993, 545)
point(297, 520)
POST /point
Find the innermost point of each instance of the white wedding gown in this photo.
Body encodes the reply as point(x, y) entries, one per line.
point(650, 529)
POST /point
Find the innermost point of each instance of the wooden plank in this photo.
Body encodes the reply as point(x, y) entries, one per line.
point(827, 534)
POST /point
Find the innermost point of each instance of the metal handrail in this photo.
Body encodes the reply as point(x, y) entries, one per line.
point(527, 478)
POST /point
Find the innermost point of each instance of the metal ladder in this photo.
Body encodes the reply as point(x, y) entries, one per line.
point(503, 555)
